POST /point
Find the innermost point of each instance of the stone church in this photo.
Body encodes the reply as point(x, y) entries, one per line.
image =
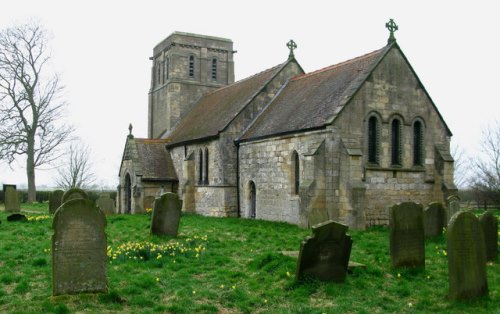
point(344, 142)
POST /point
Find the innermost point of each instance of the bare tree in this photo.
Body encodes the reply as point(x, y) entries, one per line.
point(76, 172)
point(487, 169)
point(461, 174)
point(29, 101)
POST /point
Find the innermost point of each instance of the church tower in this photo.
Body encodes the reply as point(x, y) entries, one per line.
point(185, 66)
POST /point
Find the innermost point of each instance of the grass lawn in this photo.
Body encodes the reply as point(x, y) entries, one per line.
point(224, 265)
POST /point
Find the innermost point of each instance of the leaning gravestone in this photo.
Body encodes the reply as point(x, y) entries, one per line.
point(106, 204)
point(434, 219)
point(11, 198)
point(466, 257)
point(166, 215)
point(489, 224)
point(407, 242)
point(55, 200)
point(325, 254)
point(74, 193)
point(79, 249)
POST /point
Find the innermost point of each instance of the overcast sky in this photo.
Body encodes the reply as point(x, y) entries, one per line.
point(102, 49)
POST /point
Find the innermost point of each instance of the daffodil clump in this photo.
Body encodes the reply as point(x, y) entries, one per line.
point(149, 210)
point(38, 217)
point(144, 251)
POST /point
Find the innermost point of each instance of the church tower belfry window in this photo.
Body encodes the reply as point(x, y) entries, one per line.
point(214, 69)
point(191, 66)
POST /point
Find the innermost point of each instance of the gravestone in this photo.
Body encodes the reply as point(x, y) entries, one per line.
point(453, 208)
point(17, 217)
point(106, 204)
point(434, 219)
point(11, 198)
point(489, 224)
point(406, 237)
point(466, 257)
point(79, 249)
point(74, 193)
point(325, 254)
point(55, 200)
point(166, 215)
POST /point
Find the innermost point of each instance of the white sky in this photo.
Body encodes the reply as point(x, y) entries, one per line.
point(102, 49)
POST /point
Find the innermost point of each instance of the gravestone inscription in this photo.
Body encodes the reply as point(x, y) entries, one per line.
point(55, 200)
point(406, 237)
point(106, 204)
point(74, 193)
point(466, 257)
point(434, 219)
point(79, 249)
point(489, 224)
point(166, 215)
point(325, 254)
point(11, 198)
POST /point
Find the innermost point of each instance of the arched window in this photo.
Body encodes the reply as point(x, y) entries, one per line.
point(166, 70)
point(191, 66)
point(214, 69)
point(205, 173)
point(200, 167)
point(253, 200)
point(296, 172)
point(418, 144)
point(396, 142)
point(373, 140)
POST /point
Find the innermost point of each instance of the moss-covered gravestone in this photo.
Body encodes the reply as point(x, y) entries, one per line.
point(489, 224)
point(74, 193)
point(453, 208)
point(407, 241)
point(79, 247)
point(434, 219)
point(166, 215)
point(11, 199)
point(466, 257)
point(55, 200)
point(106, 204)
point(325, 254)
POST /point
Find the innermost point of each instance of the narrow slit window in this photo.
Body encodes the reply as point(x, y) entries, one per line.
point(214, 69)
point(158, 69)
point(418, 144)
point(296, 172)
point(200, 167)
point(396, 142)
point(166, 70)
point(191, 66)
point(373, 139)
point(205, 173)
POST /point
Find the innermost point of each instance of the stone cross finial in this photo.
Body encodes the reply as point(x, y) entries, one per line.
point(292, 46)
point(130, 127)
point(392, 27)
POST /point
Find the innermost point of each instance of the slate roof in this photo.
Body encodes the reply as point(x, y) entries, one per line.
point(150, 159)
point(310, 101)
point(215, 110)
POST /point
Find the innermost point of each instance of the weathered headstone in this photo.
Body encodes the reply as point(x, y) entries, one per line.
point(434, 219)
point(466, 257)
point(55, 200)
point(74, 193)
point(79, 248)
point(489, 224)
point(325, 254)
point(407, 241)
point(11, 198)
point(106, 204)
point(453, 208)
point(17, 217)
point(166, 215)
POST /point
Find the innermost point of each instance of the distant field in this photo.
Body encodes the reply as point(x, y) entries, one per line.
point(227, 266)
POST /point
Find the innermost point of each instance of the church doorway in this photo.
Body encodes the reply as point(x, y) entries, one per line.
point(253, 200)
point(128, 194)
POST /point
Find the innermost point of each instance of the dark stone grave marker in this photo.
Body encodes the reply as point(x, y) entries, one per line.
point(17, 217)
point(325, 254)
point(489, 224)
point(466, 257)
point(453, 207)
point(11, 198)
point(407, 242)
point(166, 215)
point(434, 219)
point(74, 193)
point(79, 247)
point(55, 200)
point(106, 204)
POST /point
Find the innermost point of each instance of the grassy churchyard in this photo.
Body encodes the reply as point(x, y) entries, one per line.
point(223, 265)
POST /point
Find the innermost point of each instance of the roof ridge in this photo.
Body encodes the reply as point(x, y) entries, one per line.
point(337, 65)
point(153, 140)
